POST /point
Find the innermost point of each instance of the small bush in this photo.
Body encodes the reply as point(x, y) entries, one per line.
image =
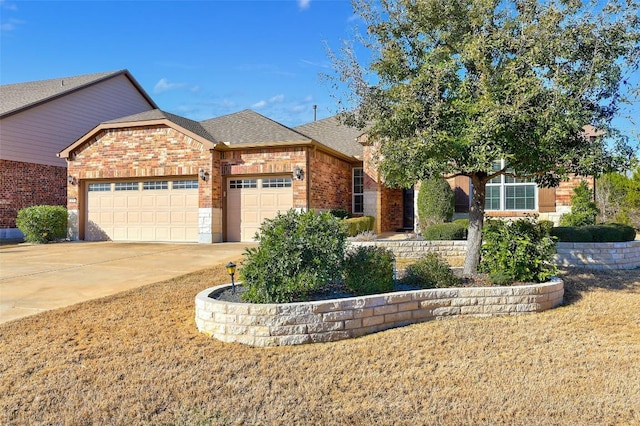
point(369, 270)
point(517, 251)
point(436, 202)
point(42, 224)
point(298, 253)
point(357, 225)
point(606, 233)
point(445, 231)
point(430, 271)
point(340, 213)
point(583, 209)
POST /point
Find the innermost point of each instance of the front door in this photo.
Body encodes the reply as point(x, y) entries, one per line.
point(407, 208)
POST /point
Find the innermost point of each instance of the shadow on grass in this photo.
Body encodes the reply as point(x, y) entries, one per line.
point(578, 281)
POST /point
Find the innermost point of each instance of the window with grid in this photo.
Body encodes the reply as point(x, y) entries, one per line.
point(276, 183)
point(358, 190)
point(155, 184)
point(185, 184)
point(243, 183)
point(127, 186)
point(509, 193)
point(99, 187)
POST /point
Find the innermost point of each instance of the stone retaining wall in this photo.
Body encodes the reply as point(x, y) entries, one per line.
point(338, 319)
point(624, 255)
point(450, 250)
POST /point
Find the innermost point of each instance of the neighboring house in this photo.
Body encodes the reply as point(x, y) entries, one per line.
point(38, 119)
point(156, 176)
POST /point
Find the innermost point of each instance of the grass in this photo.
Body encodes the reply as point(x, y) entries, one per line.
point(137, 358)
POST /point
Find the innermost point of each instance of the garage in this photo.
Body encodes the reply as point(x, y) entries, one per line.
point(251, 200)
point(163, 210)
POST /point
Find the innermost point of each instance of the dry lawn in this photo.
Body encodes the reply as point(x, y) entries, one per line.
point(137, 358)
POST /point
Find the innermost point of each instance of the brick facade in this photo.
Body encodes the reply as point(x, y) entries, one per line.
point(330, 182)
point(28, 184)
point(145, 152)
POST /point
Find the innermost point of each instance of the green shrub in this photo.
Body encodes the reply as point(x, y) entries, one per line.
point(357, 225)
point(547, 225)
point(340, 213)
point(463, 222)
point(517, 251)
point(583, 208)
point(445, 231)
point(436, 202)
point(369, 270)
point(430, 271)
point(606, 233)
point(41, 224)
point(298, 253)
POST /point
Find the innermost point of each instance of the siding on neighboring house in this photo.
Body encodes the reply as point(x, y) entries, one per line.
point(37, 134)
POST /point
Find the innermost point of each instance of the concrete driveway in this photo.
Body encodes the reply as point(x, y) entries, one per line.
point(36, 278)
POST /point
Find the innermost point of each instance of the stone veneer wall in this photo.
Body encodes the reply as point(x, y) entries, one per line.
point(338, 319)
point(625, 255)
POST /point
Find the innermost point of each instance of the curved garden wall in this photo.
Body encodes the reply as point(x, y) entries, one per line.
point(338, 319)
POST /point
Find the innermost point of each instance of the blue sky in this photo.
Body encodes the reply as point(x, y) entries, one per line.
point(198, 59)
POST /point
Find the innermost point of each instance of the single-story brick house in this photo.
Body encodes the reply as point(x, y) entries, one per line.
point(156, 176)
point(40, 118)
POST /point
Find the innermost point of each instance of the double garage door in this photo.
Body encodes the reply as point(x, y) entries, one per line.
point(154, 210)
point(251, 200)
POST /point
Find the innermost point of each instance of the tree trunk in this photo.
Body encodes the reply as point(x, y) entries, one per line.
point(476, 221)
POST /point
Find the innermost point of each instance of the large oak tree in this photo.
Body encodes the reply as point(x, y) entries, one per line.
point(453, 87)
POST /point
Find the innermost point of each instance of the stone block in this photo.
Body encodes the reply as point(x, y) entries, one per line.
point(397, 317)
point(290, 340)
point(294, 309)
point(399, 298)
point(408, 306)
point(285, 330)
point(236, 329)
point(225, 318)
point(325, 326)
point(446, 311)
point(259, 331)
point(215, 306)
point(422, 314)
point(464, 301)
point(362, 312)
point(386, 309)
point(260, 309)
point(238, 308)
point(372, 321)
point(351, 324)
point(338, 316)
point(331, 336)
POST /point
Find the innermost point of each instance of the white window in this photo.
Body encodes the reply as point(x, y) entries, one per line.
point(358, 190)
point(276, 183)
point(155, 184)
point(127, 186)
point(509, 193)
point(185, 184)
point(99, 187)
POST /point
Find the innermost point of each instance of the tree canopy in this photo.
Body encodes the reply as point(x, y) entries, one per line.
point(455, 86)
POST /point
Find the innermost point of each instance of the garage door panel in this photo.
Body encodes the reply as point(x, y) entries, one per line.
point(247, 208)
point(156, 214)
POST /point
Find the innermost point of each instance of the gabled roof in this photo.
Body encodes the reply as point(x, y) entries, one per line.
point(147, 118)
point(157, 114)
point(331, 133)
point(21, 96)
point(252, 129)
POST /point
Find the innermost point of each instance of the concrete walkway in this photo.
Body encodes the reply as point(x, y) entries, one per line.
point(36, 278)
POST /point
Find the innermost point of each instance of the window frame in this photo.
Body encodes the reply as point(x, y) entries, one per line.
point(357, 190)
point(502, 183)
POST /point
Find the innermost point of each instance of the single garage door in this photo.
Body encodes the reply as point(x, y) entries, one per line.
point(252, 200)
point(154, 210)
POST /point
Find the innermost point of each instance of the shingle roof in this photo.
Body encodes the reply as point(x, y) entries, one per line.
point(19, 96)
point(156, 114)
point(331, 133)
point(249, 127)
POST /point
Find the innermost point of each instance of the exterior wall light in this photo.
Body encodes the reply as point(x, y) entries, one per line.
point(298, 173)
point(231, 270)
point(203, 175)
point(71, 180)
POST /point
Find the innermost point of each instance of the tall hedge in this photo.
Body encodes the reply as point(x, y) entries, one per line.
point(42, 224)
point(436, 202)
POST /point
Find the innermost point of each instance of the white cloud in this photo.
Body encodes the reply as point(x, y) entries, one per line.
point(304, 4)
point(259, 104)
point(164, 85)
point(8, 6)
point(277, 98)
point(11, 25)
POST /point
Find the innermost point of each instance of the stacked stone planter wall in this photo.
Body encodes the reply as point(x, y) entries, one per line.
point(338, 319)
point(624, 255)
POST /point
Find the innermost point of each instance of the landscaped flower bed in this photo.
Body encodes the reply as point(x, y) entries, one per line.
point(331, 320)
